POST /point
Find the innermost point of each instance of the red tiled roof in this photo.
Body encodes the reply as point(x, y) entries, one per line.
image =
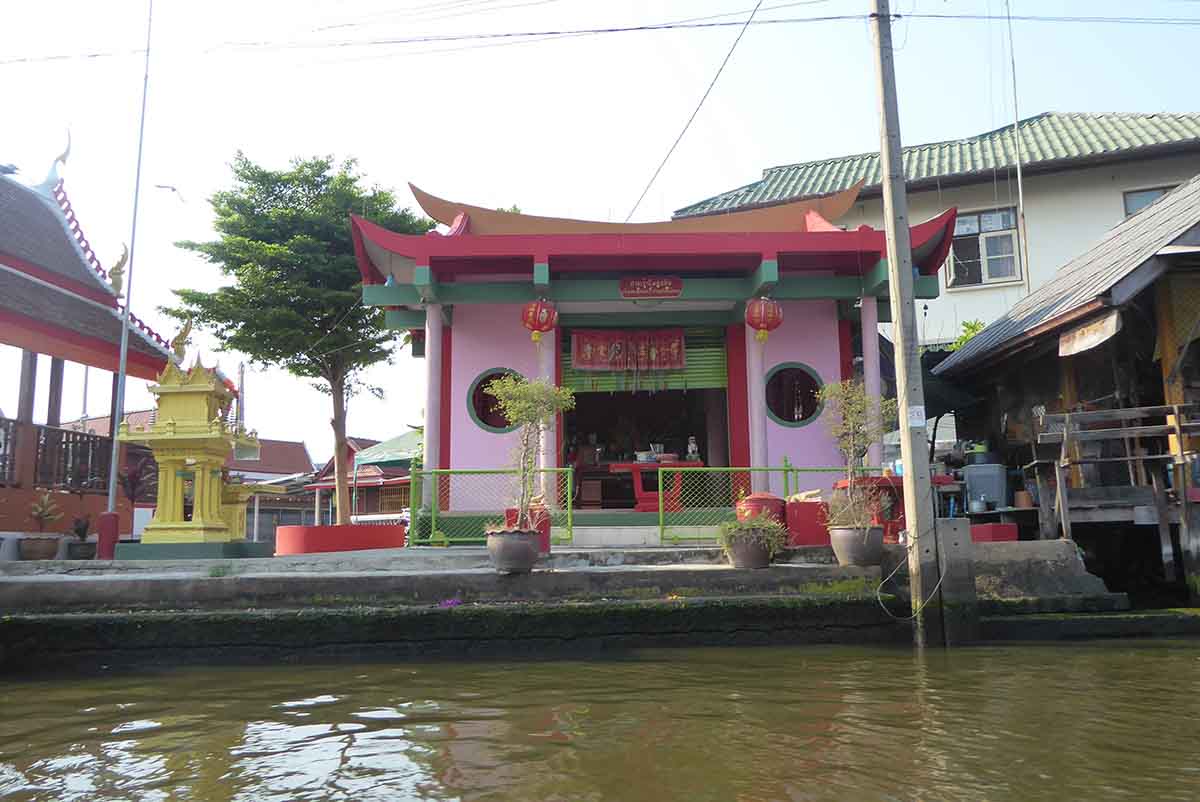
point(284, 457)
point(139, 420)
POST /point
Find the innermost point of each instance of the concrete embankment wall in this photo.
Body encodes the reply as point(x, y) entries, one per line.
point(78, 641)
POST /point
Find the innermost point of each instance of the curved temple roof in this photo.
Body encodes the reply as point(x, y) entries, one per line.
point(810, 244)
point(54, 296)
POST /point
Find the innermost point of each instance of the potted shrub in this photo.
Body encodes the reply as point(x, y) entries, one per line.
point(752, 542)
point(853, 510)
point(81, 549)
point(531, 406)
point(43, 511)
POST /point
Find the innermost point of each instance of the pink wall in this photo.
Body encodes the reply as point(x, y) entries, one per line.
point(485, 337)
point(809, 334)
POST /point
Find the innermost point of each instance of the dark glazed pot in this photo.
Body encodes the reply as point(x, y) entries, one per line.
point(513, 551)
point(747, 553)
point(81, 550)
point(857, 546)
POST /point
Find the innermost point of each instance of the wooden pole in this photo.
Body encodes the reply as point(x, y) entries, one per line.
point(923, 557)
point(28, 387)
point(54, 402)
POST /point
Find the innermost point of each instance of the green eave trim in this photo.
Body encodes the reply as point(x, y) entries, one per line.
point(733, 290)
point(403, 318)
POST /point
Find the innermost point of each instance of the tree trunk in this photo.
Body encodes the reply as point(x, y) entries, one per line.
point(338, 388)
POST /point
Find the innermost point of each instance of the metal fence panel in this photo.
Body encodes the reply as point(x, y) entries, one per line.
point(469, 500)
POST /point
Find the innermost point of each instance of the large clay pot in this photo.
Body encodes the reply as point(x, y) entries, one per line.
point(513, 551)
point(857, 546)
point(38, 548)
point(757, 505)
point(745, 552)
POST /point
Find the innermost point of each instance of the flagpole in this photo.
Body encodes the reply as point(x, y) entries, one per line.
point(114, 463)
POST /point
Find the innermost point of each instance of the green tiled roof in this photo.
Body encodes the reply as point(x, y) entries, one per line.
point(1048, 140)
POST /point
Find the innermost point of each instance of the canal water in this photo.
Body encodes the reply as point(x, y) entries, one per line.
point(1085, 721)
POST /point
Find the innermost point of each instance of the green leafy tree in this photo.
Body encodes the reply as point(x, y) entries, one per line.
point(969, 329)
point(283, 237)
point(531, 406)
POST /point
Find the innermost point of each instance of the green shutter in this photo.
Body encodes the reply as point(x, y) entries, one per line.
point(706, 368)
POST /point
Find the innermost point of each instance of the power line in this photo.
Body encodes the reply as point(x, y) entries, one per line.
point(696, 111)
point(533, 35)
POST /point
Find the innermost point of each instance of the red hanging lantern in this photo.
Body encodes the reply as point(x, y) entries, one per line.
point(539, 316)
point(764, 316)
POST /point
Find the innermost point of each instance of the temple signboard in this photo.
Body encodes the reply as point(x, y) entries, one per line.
point(640, 287)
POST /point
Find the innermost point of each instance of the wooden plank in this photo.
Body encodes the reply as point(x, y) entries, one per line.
point(1102, 415)
point(1093, 435)
point(1119, 515)
point(1110, 495)
point(1135, 458)
point(1047, 530)
point(1164, 527)
point(1062, 511)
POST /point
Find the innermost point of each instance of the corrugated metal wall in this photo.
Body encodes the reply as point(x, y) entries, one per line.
point(706, 367)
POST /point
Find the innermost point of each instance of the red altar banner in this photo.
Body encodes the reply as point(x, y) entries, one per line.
point(621, 350)
point(651, 287)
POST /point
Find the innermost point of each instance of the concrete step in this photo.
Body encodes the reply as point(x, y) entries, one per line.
point(420, 558)
point(49, 592)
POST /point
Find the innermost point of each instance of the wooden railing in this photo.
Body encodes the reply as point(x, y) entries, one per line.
point(8, 451)
point(71, 460)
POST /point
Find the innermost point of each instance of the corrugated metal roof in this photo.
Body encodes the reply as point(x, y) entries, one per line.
point(1091, 275)
point(1048, 139)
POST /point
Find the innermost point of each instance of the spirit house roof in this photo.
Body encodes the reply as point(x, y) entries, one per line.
point(791, 252)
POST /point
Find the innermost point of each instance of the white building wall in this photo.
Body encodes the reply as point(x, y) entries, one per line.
point(1065, 214)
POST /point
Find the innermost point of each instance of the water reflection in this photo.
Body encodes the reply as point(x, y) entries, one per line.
point(996, 723)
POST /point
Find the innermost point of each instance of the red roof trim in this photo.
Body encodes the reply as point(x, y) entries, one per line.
point(864, 239)
point(58, 280)
point(366, 268)
point(373, 482)
point(84, 349)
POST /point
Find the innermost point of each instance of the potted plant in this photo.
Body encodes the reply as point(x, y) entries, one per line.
point(81, 549)
point(853, 510)
point(531, 406)
point(752, 542)
point(43, 511)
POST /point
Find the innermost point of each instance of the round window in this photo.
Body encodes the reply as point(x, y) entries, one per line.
point(483, 406)
point(792, 394)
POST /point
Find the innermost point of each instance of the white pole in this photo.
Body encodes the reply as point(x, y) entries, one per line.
point(255, 528)
point(918, 503)
point(1022, 233)
point(433, 400)
point(316, 506)
point(548, 457)
point(757, 401)
point(114, 461)
point(871, 378)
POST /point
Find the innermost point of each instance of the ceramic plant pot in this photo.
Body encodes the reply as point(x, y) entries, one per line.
point(81, 550)
point(746, 552)
point(857, 546)
point(38, 548)
point(513, 551)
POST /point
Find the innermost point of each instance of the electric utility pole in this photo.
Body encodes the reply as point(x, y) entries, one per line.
point(918, 502)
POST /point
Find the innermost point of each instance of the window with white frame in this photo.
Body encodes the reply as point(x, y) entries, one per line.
point(1138, 199)
point(984, 249)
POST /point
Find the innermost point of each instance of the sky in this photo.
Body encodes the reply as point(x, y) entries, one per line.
point(568, 126)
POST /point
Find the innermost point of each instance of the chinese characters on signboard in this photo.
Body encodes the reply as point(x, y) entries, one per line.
point(621, 350)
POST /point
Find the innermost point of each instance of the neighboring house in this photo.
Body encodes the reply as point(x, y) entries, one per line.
point(1116, 328)
point(374, 489)
point(1083, 174)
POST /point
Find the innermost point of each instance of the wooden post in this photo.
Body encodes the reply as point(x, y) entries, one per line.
point(54, 402)
point(28, 386)
point(1062, 511)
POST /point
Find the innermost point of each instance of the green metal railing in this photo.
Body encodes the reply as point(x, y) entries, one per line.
point(465, 501)
point(693, 503)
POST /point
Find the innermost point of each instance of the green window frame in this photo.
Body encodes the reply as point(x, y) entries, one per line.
point(488, 375)
point(816, 377)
